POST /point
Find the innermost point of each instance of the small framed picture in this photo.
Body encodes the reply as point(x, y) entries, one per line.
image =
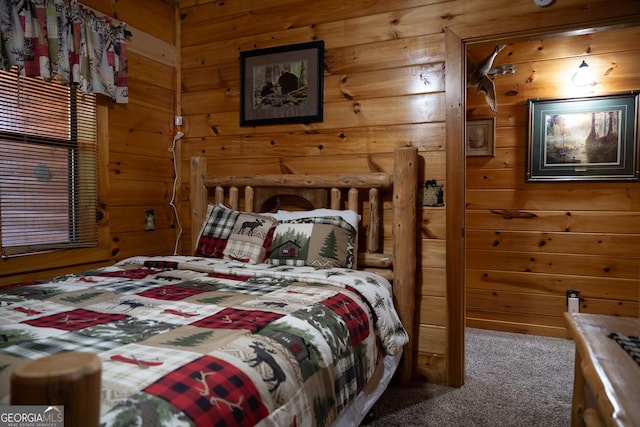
point(480, 137)
point(282, 84)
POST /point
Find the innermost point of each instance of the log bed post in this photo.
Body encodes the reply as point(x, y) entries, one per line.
point(198, 195)
point(405, 188)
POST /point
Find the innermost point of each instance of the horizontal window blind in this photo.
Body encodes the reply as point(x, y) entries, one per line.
point(48, 166)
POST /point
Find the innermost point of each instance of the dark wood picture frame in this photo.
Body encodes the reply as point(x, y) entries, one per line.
point(282, 84)
point(583, 139)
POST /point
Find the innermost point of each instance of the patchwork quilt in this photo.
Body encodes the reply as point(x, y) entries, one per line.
point(192, 341)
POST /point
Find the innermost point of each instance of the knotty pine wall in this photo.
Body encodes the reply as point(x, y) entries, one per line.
point(136, 138)
point(385, 74)
point(527, 243)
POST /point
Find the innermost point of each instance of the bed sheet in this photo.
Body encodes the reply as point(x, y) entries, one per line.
point(200, 341)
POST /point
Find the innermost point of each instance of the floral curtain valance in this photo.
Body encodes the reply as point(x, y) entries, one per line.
point(60, 40)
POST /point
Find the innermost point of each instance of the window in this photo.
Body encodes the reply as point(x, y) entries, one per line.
point(48, 166)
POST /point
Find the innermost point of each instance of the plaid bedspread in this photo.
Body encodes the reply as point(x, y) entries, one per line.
point(198, 341)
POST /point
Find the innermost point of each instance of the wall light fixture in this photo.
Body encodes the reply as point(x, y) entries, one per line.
point(583, 77)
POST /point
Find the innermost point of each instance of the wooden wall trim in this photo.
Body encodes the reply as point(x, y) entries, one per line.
point(455, 79)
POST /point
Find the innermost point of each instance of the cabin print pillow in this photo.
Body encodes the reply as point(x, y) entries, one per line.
point(231, 234)
point(321, 242)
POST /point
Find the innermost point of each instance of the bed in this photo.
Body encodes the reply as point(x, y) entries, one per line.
point(285, 317)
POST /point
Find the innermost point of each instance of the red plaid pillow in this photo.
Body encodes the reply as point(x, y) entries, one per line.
point(236, 235)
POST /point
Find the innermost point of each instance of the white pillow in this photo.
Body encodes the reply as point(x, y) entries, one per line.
point(348, 215)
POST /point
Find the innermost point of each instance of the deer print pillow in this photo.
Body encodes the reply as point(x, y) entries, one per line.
point(231, 234)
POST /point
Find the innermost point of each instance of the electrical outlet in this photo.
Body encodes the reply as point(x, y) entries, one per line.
point(178, 120)
point(573, 301)
point(574, 305)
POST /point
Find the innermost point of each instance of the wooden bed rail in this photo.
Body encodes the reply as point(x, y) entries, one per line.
point(361, 180)
point(399, 266)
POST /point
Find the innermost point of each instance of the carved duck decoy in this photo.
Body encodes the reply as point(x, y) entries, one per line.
point(478, 75)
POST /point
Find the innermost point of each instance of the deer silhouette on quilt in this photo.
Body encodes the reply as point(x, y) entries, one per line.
point(264, 355)
point(250, 226)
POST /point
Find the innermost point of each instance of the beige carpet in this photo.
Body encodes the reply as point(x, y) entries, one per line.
point(511, 380)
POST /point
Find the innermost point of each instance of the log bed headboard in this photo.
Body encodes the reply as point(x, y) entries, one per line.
point(398, 266)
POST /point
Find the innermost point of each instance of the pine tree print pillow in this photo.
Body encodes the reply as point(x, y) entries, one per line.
point(321, 242)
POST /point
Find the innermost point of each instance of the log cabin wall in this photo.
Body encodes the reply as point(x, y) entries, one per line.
point(384, 87)
point(135, 151)
point(527, 243)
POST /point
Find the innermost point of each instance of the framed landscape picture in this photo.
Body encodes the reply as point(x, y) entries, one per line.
point(282, 84)
point(583, 139)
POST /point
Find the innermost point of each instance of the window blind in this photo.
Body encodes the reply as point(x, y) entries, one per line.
point(48, 166)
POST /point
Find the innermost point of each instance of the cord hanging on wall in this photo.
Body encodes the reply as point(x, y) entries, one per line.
point(179, 134)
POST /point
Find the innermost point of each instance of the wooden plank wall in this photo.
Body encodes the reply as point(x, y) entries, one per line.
point(527, 243)
point(384, 87)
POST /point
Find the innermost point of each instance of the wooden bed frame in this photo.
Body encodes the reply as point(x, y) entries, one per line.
point(399, 266)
